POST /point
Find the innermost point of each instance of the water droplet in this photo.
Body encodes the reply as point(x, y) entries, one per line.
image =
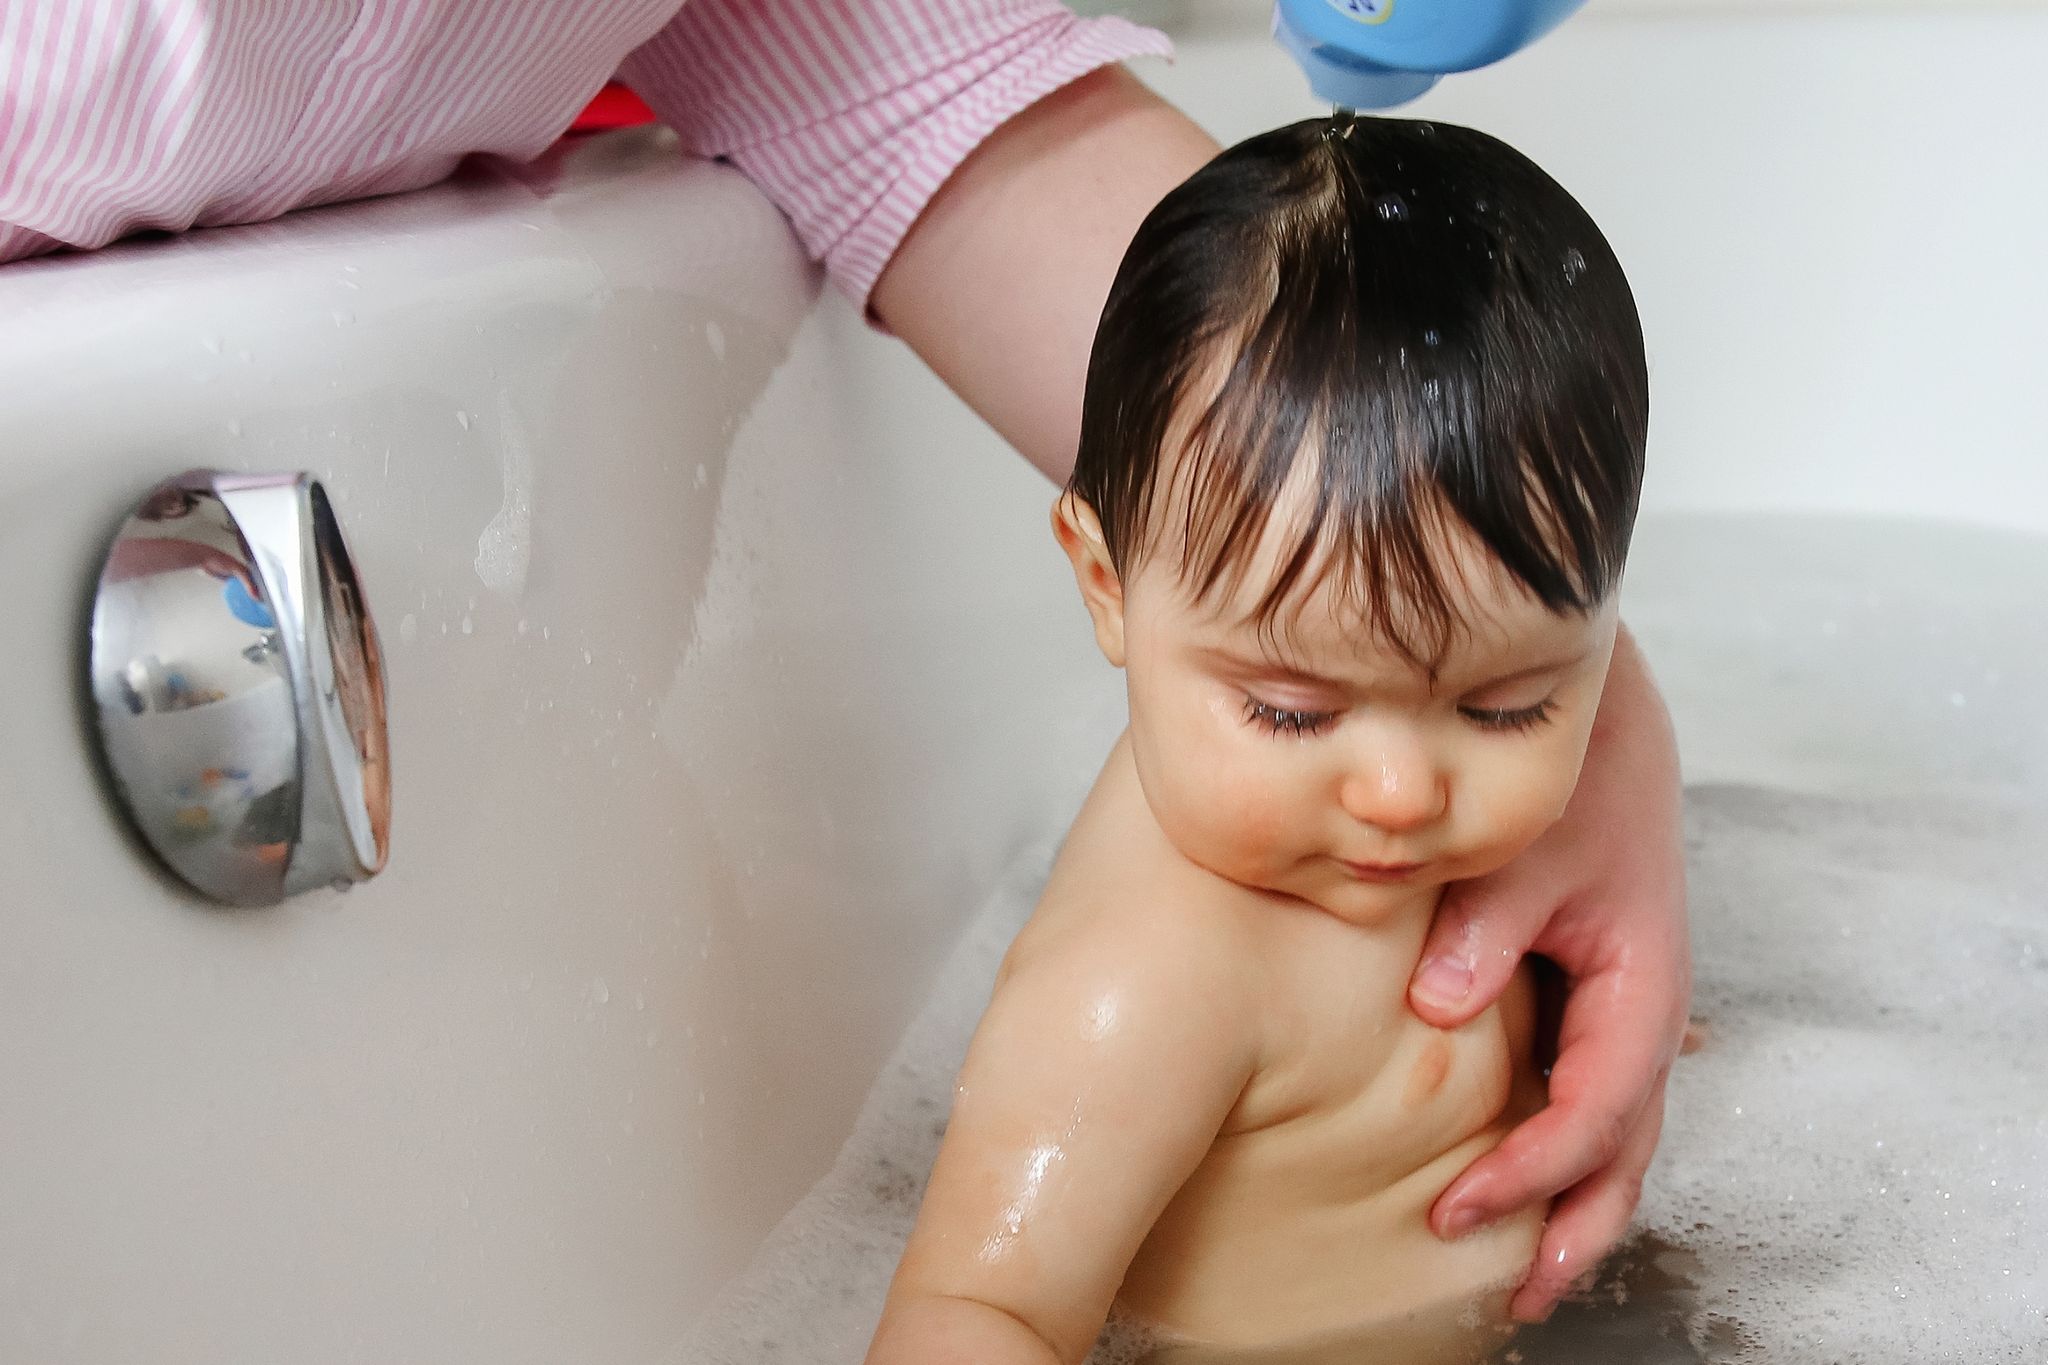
point(468, 626)
point(715, 334)
point(234, 426)
point(462, 419)
point(587, 657)
point(1574, 266)
point(1432, 337)
point(522, 625)
point(408, 627)
point(1391, 207)
point(599, 991)
point(342, 317)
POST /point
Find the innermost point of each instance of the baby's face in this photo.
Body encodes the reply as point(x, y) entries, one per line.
point(1328, 766)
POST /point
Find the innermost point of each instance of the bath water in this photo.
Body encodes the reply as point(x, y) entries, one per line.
point(1855, 1161)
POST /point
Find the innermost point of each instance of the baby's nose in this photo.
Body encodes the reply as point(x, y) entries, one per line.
point(1395, 790)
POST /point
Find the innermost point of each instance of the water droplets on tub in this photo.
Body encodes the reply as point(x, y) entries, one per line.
point(408, 628)
point(504, 548)
point(1391, 208)
point(714, 336)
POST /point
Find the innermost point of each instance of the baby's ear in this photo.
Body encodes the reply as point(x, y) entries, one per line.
point(1079, 532)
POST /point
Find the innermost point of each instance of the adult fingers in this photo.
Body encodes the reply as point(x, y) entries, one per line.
point(1588, 1221)
point(1475, 941)
point(1615, 1048)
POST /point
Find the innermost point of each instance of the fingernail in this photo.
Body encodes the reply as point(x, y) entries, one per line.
point(1444, 980)
point(1462, 1220)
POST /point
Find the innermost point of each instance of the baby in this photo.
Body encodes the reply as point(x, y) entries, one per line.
point(1360, 455)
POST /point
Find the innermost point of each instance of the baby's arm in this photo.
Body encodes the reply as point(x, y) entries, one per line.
point(1095, 1084)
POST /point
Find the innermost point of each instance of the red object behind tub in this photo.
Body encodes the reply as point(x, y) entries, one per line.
point(614, 107)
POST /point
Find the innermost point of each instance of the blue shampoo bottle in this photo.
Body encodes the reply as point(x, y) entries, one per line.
point(1374, 54)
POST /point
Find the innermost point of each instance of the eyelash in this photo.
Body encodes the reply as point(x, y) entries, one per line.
point(1513, 720)
point(1275, 721)
point(1501, 720)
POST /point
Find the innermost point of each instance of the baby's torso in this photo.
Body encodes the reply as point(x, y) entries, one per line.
point(1309, 1216)
point(1307, 1219)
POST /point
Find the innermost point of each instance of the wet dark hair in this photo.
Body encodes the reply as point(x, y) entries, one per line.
point(1421, 310)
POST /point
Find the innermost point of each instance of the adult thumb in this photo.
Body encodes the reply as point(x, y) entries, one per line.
point(1476, 939)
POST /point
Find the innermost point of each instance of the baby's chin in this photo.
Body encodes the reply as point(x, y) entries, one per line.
point(1322, 883)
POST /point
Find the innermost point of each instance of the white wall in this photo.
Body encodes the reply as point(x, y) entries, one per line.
point(1832, 215)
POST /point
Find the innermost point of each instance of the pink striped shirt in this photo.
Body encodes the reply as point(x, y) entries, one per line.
point(118, 116)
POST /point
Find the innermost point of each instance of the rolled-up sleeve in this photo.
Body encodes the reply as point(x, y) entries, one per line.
point(850, 115)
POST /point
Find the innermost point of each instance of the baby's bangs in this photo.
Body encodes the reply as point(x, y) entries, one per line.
point(1375, 538)
point(1394, 464)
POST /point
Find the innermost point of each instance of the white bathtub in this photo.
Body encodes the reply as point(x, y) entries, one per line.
point(730, 662)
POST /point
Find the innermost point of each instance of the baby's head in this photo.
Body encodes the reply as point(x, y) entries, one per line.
point(1359, 461)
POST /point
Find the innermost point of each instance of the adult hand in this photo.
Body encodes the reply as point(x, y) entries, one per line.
point(1602, 894)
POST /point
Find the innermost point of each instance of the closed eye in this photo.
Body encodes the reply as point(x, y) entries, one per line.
point(1276, 720)
point(1510, 719)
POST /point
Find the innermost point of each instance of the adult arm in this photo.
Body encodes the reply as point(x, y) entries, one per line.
point(999, 284)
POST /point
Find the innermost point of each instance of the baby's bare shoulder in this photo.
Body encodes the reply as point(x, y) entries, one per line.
point(1141, 939)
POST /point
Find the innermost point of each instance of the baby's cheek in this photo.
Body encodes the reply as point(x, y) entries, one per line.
point(1217, 814)
point(1514, 808)
point(1260, 815)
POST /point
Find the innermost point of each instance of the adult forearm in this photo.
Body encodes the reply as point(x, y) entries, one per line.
point(942, 1330)
point(1001, 280)
point(1632, 711)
